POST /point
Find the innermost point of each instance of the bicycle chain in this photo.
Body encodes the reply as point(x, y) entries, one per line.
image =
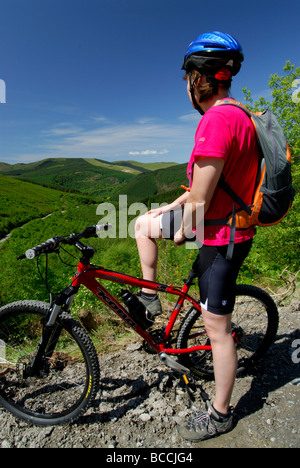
point(156, 335)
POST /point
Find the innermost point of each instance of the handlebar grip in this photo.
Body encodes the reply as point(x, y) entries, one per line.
point(89, 231)
point(48, 246)
point(51, 244)
point(92, 231)
point(103, 227)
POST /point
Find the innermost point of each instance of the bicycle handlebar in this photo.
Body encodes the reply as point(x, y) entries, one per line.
point(49, 246)
point(52, 244)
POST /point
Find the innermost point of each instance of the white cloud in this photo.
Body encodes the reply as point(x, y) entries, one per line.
point(101, 118)
point(192, 117)
point(62, 129)
point(147, 152)
point(118, 141)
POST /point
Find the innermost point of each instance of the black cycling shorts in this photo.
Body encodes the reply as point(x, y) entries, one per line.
point(170, 223)
point(217, 276)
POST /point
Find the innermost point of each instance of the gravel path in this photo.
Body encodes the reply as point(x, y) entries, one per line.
point(142, 401)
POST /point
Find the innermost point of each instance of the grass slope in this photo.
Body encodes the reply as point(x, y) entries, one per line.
point(153, 183)
point(93, 177)
point(22, 201)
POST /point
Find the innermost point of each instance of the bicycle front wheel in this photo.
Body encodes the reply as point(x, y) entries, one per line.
point(68, 380)
point(254, 327)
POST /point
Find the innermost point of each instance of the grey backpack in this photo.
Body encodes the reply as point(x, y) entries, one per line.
point(274, 193)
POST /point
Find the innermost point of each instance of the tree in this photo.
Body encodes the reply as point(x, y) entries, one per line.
point(285, 104)
point(285, 91)
point(277, 248)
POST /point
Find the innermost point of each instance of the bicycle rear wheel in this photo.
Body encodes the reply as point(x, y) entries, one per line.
point(254, 325)
point(68, 379)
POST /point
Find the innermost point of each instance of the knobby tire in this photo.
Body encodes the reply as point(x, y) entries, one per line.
point(66, 386)
point(254, 320)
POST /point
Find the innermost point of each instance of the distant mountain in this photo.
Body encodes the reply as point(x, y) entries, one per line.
point(153, 184)
point(94, 177)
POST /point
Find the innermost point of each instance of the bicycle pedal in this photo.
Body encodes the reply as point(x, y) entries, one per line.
point(190, 391)
point(189, 383)
point(191, 388)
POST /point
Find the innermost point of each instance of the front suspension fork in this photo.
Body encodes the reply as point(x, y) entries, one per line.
point(51, 333)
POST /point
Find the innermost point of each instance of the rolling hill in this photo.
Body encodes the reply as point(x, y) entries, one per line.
point(27, 204)
point(94, 177)
point(100, 179)
point(154, 184)
point(22, 201)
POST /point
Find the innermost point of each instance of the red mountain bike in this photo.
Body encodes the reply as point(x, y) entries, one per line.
point(49, 368)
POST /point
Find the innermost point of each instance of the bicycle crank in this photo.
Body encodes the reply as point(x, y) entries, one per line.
point(156, 335)
point(187, 377)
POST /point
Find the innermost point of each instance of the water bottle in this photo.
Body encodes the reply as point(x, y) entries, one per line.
point(137, 310)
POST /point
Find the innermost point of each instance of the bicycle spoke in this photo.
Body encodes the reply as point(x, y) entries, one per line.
point(250, 321)
point(62, 381)
point(254, 326)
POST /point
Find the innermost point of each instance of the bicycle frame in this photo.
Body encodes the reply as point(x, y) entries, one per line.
point(87, 275)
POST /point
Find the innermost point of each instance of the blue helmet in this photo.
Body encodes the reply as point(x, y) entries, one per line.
point(212, 51)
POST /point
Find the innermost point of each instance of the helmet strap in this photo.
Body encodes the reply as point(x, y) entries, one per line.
point(192, 84)
point(213, 83)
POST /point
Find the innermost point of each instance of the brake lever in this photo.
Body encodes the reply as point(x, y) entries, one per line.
point(90, 231)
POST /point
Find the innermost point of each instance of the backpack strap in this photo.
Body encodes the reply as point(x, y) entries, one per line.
point(236, 199)
point(223, 185)
point(217, 222)
point(233, 102)
point(242, 204)
point(230, 247)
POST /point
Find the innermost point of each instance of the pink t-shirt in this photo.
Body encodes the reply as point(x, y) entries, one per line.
point(227, 132)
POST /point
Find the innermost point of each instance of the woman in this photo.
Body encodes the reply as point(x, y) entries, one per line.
point(225, 144)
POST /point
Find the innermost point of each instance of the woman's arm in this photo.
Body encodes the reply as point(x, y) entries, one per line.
point(207, 172)
point(175, 205)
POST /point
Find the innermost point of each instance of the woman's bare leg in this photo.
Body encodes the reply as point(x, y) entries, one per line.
point(218, 328)
point(147, 229)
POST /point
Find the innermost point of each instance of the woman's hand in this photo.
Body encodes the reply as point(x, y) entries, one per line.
point(161, 210)
point(179, 238)
point(175, 205)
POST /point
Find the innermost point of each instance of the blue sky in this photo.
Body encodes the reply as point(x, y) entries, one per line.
point(102, 78)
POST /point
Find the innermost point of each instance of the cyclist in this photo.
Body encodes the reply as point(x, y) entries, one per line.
point(225, 144)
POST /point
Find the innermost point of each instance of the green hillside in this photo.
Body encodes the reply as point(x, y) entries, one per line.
point(153, 183)
point(93, 177)
point(34, 190)
point(22, 201)
point(145, 167)
point(29, 205)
